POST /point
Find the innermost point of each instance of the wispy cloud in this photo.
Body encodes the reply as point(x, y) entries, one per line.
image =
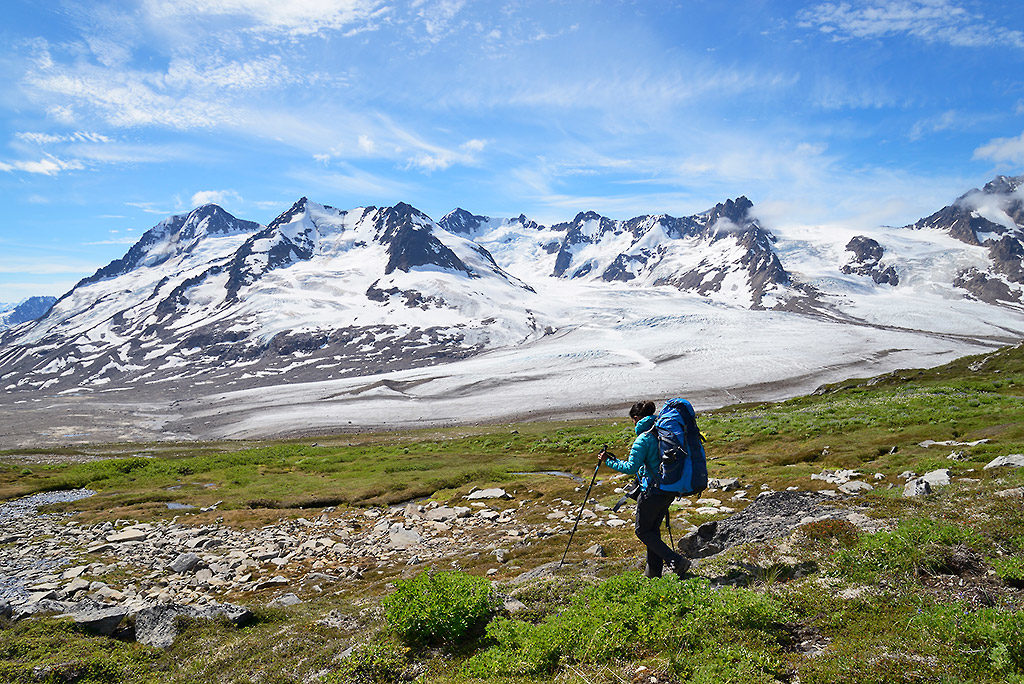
point(933, 21)
point(1002, 150)
point(151, 207)
point(294, 17)
point(215, 197)
point(54, 138)
point(114, 241)
point(47, 166)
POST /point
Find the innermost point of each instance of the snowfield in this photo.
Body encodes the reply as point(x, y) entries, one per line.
point(380, 317)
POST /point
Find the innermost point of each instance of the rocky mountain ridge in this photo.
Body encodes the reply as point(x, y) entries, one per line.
point(206, 298)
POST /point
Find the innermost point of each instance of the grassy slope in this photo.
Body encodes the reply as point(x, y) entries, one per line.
point(915, 622)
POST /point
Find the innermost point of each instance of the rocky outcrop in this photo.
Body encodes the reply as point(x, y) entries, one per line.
point(770, 516)
point(866, 260)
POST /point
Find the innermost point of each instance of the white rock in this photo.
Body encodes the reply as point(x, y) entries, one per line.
point(1011, 461)
point(128, 535)
point(855, 486)
point(616, 522)
point(402, 537)
point(937, 478)
point(493, 493)
point(917, 487)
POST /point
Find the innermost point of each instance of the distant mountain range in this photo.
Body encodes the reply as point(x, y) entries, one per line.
point(206, 298)
point(26, 310)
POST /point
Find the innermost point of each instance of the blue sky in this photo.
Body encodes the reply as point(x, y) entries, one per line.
point(116, 114)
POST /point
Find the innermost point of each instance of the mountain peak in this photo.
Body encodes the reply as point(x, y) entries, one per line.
point(1003, 185)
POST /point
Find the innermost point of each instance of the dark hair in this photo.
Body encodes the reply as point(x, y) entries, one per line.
point(641, 409)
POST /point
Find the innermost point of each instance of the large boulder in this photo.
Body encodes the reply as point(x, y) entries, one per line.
point(917, 487)
point(770, 516)
point(937, 478)
point(97, 620)
point(401, 537)
point(158, 625)
point(184, 563)
point(1011, 461)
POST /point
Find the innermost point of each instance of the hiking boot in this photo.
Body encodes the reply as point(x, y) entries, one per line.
point(680, 567)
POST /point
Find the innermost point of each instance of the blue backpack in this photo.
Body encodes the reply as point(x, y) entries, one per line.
point(683, 469)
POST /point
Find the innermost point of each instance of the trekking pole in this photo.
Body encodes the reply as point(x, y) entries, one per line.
point(668, 527)
point(600, 457)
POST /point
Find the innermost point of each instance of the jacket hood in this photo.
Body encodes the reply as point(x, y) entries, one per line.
point(645, 424)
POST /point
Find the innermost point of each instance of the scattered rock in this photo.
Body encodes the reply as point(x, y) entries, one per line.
point(275, 581)
point(494, 493)
point(836, 477)
point(949, 442)
point(726, 484)
point(1011, 461)
point(285, 600)
point(441, 514)
point(99, 620)
point(128, 535)
point(402, 537)
point(855, 487)
point(545, 570)
point(1016, 492)
point(917, 487)
point(513, 605)
point(937, 478)
point(185, 562)
point(596, 550)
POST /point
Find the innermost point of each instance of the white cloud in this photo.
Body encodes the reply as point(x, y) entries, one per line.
point(438, 16)
point(292, 17)
point(48, 166)
point(215, 197)
point(150, 207)
point(933, 21)
point(473, 145)
point(1002, 150)
point(366, 144)
point(54, 138)
point(114, 241)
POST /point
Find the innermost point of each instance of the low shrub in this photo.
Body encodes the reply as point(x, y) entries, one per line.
point(629, 616)
point(988, 641)
point(377, 662)
point(440, 608)
point(917, 545)
point(1010, 569)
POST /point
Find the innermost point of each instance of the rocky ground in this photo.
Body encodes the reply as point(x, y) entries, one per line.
point(133, 578)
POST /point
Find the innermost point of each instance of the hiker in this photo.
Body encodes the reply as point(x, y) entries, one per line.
point(652, 503)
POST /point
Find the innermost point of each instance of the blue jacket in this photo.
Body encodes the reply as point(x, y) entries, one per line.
point(643, 455)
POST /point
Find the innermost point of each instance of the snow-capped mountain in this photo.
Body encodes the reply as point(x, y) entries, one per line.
point(393, 303)
point(722, 253)
point(992, 218)
point(26, 310)
point(317, 292)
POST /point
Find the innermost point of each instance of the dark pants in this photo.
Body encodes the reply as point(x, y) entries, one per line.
point(651, 509)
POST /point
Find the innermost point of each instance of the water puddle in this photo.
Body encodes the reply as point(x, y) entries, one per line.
point(26, 506)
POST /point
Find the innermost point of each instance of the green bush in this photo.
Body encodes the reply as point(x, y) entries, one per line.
point(378, 662)
point(990, 641)
point(917, 545)
point(1010, 569)
point(439, 608)
point(629, 616)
